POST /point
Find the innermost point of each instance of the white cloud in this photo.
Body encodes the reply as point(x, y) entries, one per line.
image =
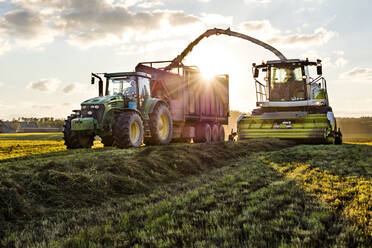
point(150, 4)
point(88, 23)
point(44, 85)
point(74, 88)
point(264, 30)
point(257, 1)
point(341, 62)
point(358, 74)
point(339, 52)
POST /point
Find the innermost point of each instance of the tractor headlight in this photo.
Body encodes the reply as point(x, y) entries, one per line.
point(96, 106)
point(90, 112)
point(84, 107)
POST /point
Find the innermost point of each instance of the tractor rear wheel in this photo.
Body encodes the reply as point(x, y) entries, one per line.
point(161, 126)
point(215, 133)
point(71, 137)
point(203, 133)
point(221, 133)
point(127, 130)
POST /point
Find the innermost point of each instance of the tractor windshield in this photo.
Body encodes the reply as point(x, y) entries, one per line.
point(123, 86)
point(287, 83)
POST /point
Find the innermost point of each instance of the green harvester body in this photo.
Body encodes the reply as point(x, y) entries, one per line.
point(292, 105)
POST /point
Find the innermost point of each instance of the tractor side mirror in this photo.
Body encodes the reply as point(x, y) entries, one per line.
point(92, 80)
point(100, 88)
point(256, 72)
point(319, 68)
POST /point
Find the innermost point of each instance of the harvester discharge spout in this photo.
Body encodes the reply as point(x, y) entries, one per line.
point(216, 31)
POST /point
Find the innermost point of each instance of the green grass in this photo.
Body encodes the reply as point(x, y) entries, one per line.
point(259, 193)
point(339, 176)
point(31, 136)
point(16, 145)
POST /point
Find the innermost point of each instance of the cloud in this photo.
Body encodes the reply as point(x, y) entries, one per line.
point(44, 85)
point(358, 74)
point(87, 23)
point(150, 4)
point(257, 1)
point(264, 30)
point(74, 88)
point(319, 37)
point(24, 28)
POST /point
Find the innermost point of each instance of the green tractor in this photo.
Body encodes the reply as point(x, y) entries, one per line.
point(124, 115)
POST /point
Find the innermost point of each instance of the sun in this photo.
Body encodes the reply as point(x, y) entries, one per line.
point(208, 62)
point(208, 73)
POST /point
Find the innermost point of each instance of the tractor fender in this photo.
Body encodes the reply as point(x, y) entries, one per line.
point(117, 111)
point(154, 103)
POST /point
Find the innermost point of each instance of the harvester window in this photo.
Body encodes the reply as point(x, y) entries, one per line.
point(287, 84)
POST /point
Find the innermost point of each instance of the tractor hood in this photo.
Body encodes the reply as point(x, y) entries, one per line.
point(101, 100)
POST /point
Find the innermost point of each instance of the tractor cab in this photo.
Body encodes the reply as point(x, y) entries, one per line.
point(289, 83)
point(132, 87)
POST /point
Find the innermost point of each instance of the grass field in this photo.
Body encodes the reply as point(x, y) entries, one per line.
point(261, 193)
point(14, 145)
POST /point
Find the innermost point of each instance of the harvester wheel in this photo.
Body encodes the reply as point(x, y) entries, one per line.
point(127, 130)
point(203, 133)
point(338, 137)
point(215, 133)
point(161, 126)
point(221, 133)
point(107, 141)
point(71, 138)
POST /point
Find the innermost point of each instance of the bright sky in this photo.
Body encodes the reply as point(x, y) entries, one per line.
point(48, 48)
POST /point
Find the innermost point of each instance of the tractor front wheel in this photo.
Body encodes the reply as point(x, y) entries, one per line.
point(71, 137)
point(127, 130)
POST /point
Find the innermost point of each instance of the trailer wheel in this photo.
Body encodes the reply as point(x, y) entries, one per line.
point(221, 132)
point(71, 138)
point(215, 133)
point(127, 130)
point(203, 133)
point(161, 126)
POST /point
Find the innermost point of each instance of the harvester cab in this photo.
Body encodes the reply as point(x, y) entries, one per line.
point(288, 83)
point(120, 115)
point(291, 104)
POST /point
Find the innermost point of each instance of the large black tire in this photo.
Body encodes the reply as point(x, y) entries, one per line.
point(127, 129)
point(215, 133)
point(203, 133)
point(71, 138)
point(107, 141)
point(221, 133)
point(338, 137)
point(161, 126)
point(86, 141)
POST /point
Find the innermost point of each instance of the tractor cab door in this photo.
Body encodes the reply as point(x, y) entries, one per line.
point(125, 86)
point(143, 91)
